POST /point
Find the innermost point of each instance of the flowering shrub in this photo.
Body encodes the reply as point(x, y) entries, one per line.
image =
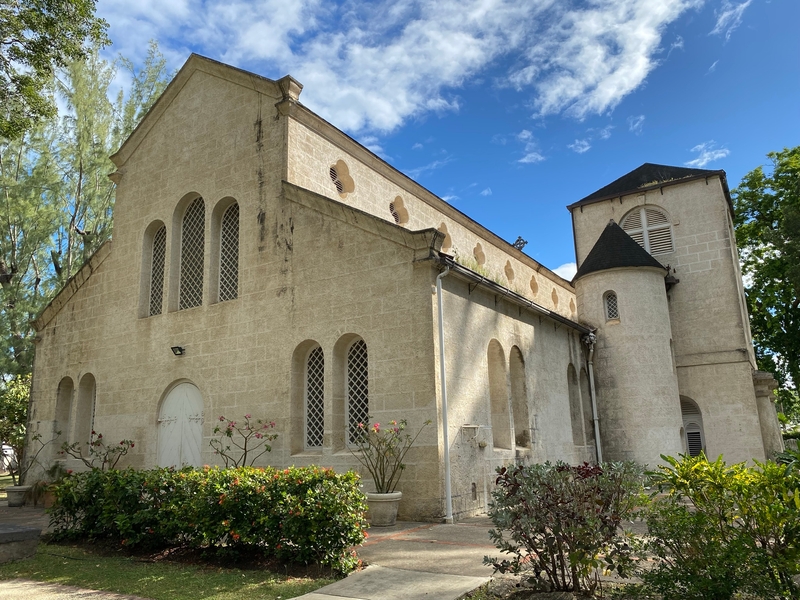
point(560, 523)
point(305, 514)
point(98, 454)
point(250, 438)
point(381, 451)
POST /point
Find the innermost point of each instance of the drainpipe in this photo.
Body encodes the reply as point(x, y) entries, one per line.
point(590, 339)
point(448, 493)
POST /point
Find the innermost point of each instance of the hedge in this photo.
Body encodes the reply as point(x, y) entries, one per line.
point(304, 515)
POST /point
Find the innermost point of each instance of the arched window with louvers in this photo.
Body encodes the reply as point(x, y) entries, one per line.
point(651, 228)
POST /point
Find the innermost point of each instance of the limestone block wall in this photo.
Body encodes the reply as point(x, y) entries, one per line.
point(314, 147)
point(637, 384)
point(730, 414)
point(508, 390)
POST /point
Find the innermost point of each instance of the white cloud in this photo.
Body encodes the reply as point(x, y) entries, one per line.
point(605, 132)
point(713, 67)
point(417, 146)
point(635, 124)
point(676, 45)
point(729, 17)
point(369, 67)
point(487, 192)
point(531, 157)
point(450, 198)
point(580, 146)
point(431, 166)
point(567, 270)
point(707, 152)
point(532, 154)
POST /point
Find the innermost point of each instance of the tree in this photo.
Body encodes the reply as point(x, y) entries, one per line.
point(37, 37)
point(13, 417)
point(767, 208)
point(55, 194)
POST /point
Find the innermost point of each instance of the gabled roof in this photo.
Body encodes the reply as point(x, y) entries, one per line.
point(614, 249)
point(650, 176)
point(286, 86)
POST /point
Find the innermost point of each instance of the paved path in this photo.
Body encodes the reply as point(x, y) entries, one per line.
point(409, 561)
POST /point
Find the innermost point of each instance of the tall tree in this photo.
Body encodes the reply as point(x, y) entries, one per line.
point(57, 198)
point(767, 207)
point(37, 37)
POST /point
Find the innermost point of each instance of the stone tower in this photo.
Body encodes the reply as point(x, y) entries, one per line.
point(621, 291)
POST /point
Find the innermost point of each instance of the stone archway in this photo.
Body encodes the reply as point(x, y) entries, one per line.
point(180, 427)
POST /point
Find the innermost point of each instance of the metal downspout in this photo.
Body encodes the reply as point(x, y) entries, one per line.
point(448, 493)
point(590, 339)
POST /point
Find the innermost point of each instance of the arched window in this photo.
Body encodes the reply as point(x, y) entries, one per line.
point(159, 254)
point(498, 396)
point(229, 254)
point(519, 398)
point(193, 228)
point(694, 440)
point(651, 229)
point(575, 412)
point(314, 397)
point(356, 388)
point(611, 305)
point(84, 415)
point(398, 211)
point(63, 409)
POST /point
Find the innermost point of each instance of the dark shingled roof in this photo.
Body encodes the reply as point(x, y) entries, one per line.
point(646, 176)
point(615, 248)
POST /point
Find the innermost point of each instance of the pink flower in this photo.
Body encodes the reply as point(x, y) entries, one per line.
point(376, 427)
point(247, 416)
point(259, 436)
point(221, 418)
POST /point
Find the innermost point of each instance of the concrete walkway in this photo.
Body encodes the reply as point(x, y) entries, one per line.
point(410, 561)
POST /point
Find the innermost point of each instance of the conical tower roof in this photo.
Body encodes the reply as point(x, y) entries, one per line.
point(614, 249)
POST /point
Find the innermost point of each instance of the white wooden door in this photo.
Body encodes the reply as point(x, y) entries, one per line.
point(180, 427)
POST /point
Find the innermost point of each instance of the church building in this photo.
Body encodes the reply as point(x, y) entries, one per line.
point(265, 263)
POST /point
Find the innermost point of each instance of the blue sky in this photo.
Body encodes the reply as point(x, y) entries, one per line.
point(510, 110)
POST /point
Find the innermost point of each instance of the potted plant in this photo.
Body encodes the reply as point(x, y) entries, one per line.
point(382, 450)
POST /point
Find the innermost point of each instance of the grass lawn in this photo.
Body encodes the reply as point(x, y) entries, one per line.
point(149, 578)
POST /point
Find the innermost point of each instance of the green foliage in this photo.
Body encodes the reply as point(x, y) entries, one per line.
point(382, 450)
point(14, 412)
point(37, 37)
point(55, 195)
point(98, 454)
point(723, 530)
point(241, 444)
point(768, 235)
point(560, 523)
point(298, 514)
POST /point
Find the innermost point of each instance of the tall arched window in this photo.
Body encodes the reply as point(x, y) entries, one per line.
point(314, 398)
point(519, 399)
point(357, 388)
point(611, 306)
point(193, 228)
point(159, 254)
point(651, 229)
point(63, 409)
point(575, 412)
point(84, 415)
point(693, 427)
point(229, 254)
point(498, 396)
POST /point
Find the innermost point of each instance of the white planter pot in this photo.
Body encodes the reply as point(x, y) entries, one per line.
point(383, 508)
point(16, 495)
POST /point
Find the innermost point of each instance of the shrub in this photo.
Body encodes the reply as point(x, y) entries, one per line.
point(241, 444)
point(297, 514)
point(561, 523)
point(723, 530)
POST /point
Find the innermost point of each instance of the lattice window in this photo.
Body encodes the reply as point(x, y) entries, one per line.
point(336, 181)
point(229, 254)
point(357, 389)
point(157, 270)
point(395, 214)
point(314, 399)
point(650, 228)
point(612, 309)
point(192, 250)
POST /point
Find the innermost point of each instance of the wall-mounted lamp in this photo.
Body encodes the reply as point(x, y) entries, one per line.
point(178, 350)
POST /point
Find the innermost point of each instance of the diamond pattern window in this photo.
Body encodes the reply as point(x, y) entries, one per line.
point(612, 309)
point(157, 271)
point(314, 399)
point(192, 250)
point(651, 229)
point(229, 254)
point(357, 388)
